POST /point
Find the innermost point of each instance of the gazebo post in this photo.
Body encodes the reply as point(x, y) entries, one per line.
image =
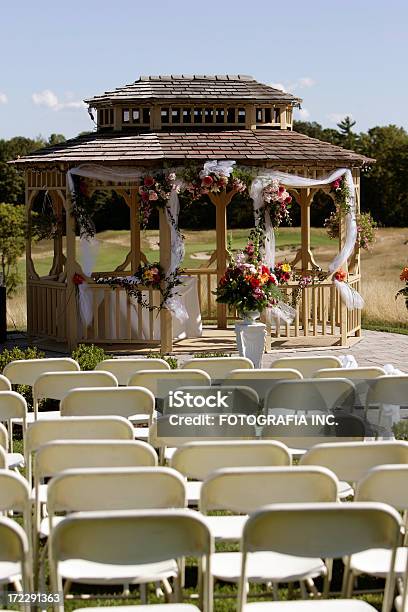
point(343, 307)
point(71, 311)
point(166, 321)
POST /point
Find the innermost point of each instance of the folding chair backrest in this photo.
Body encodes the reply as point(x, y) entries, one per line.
point(4, 383)
point(351, 461)
point(261, 380)
point(3, 455)
point(198, 459)
point(350, 373)
point(311, 394)
point(163, 432)
point(26, 371)
point(116, 489)
point(307, 365)
point(218, 368)
point(121, 401)
point(213, 400)
point(14, 548)
point(244, 490)
point(4, 438)
point(123, 369)
point(132, 537)
point(387, 484)
point(327, 530)
point(15, 496)
point(161, 382)
point(389, 390)
point(55, 385)
point(13, 406)
point(55, 457)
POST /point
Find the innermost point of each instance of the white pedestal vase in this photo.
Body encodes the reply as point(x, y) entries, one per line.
point(251, 338)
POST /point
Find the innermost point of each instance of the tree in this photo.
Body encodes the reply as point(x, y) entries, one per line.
point(346, 126)
point(12, 243)
point(11, 182)
point(56, 139)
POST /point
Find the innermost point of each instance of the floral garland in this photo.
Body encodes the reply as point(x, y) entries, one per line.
point(277, 201)
point(366, 228)
point(150, 275)
point(155, 193)
point(285, 273)
point(404, 291)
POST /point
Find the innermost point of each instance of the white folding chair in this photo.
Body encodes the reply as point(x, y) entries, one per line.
point(26, 371)
point(387, 391)
point(261, 380)
point(13, 407)
point(4, 383)
point(161, 382)
point(196, 460)
point(387, 484)
point(73, 428)
point(55, 385)
point(15, 497)
point(15, 562)
point(131, 547)
point(123, 369)
point(133, 403)
point(350, 373)
point(313, 394)
point(307, 366)
point(245, 490)
point(218, 368)
point(351, 461)
point(325, 530)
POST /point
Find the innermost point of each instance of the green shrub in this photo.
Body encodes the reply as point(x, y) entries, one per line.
point(172, 361)
point(16, 354)
point(88, 355)
point(400, 430)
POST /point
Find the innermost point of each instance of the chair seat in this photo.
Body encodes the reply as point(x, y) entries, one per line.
point(193, 492)
point(92, 572)
point(376, 562)
point(10, 571)
point(141, 433)
point(266, 566)
point(15, 460)
point(325, 605)
point(42, 493)
point(45, 525)
point(169, 452)
point(176, 607)
point(345, 490)
point(226, 528)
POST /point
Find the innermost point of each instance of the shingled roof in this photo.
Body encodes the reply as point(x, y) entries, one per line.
point(280, 146)
point(195, 87)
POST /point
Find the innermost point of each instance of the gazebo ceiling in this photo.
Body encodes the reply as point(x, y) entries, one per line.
point(280, 146)
point(232, 88)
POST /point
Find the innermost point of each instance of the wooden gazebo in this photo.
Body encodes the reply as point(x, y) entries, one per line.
point(166, 121)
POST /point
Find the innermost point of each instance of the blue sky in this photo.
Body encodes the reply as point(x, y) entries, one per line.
point(342, 57)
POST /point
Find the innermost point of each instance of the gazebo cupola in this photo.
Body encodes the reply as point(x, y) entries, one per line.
point(172, 124)
point(194, 102)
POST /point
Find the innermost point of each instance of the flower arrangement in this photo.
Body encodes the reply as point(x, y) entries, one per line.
point(341, 194)
point(149, 275)
point(277, 201)
point(199, 183)
point(154, 192)
point(404, 291)
point(366, 228)
point(247, 284)
point(78, 279)
point(283, 272)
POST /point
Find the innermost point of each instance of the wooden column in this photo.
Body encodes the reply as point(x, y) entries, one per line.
point(357, 252)
point(166, 322)
point(134, 230)
point(71, 310)
point(221, 201)
point(343, 307)
point(305, 200)
point(58, 259)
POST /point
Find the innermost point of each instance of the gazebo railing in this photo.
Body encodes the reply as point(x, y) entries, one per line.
point(46, 309)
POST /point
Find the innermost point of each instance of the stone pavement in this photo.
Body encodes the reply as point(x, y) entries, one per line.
point(374, 349)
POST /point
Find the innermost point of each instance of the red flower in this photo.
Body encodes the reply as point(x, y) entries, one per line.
point(340, 275)
point(207, 181)
point(254, 282)
point(265, 270)
point(288, 200)
point(281, 188)
point(145, 196)
point(78, 279)
point(148, 181)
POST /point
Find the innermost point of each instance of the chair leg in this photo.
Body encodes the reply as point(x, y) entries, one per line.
point(143, 593)
point(275, 590)
point(303, 590)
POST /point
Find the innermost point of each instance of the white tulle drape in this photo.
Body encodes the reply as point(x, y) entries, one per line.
point(125, 175)
point(350, 296)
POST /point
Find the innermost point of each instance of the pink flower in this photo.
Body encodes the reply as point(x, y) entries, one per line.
point(207, 181)
point(336, 184)
point(288, 199)
point(153, 196)
point(172, 176)
point(148, 181)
